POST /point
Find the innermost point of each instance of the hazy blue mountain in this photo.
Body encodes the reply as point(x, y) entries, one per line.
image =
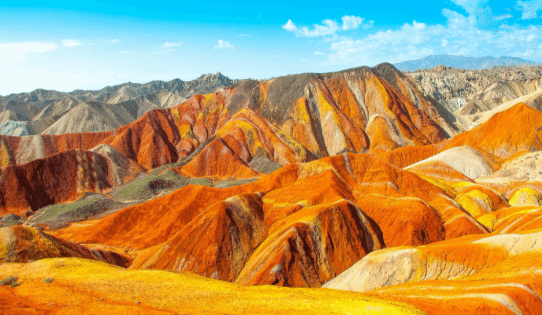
point(461, 62)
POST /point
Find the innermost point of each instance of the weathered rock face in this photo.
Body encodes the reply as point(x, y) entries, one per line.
point(24, 244)
point(59, 178)
point(52, 112)
point(470, 93)
point(255, 127)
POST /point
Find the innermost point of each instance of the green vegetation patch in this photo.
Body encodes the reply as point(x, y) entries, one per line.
point(149, 186)
point(57, 216)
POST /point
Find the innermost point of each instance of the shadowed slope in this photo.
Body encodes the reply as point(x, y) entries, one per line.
point(59, 178)
point(24, 244)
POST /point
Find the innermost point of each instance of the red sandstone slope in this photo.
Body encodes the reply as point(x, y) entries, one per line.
point(249, 129)
point(290, 119)
point(506, 133)
point(342, 207)
point(59, 178)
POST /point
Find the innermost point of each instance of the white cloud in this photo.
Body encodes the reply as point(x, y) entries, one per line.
point(328, 27)
point(114, 41)
point(224, 45)
point(503, 17)
point(71, 43)
point(529, 8)
point(124, 52)
point(316, 53)
point(475, 32)
point(244, 35)
point(351, 22)
point(289, 26)
point(13, 52)
point(168, 44)
point(460, 35)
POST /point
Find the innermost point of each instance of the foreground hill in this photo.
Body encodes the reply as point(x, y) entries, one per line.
point(83, 286)
point(483, 275)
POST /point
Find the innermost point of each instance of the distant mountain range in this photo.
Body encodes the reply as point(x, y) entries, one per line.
point(462, 62)
point(53, 112)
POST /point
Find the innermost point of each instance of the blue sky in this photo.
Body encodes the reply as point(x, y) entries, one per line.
point(92, 44)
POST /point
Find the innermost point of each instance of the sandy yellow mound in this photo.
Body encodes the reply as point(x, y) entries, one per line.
point(84, 286)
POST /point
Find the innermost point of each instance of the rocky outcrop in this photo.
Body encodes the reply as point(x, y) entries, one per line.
point(468, 92)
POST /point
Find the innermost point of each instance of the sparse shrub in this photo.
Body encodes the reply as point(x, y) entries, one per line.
point(48, 280)
point(11, 280)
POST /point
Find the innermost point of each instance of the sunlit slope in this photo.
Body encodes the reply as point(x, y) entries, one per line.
point(496, 274)
point(82, 286)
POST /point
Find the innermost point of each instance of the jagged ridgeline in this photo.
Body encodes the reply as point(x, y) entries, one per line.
point(52, 112)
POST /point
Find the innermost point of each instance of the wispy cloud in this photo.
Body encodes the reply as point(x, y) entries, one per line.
point(171, 44)
point(503, 17)
point(71, 43)
point(328, 27)
point(114, 41)
point(475, 32)
point(164, 51)
point(244, 35)
point(13, 52)
point(529, 8)
point(224, 45)
point(124, 52)
point(316, 53)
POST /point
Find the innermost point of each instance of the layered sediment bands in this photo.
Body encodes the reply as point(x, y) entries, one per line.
point(57, 178)
point(299, 226)
point(216, 244)
point(492, 274)
point(473, 91)
point(312, 246)
point(513, 219)
point(218, 160)
point(25, 244)
point(290, 119)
